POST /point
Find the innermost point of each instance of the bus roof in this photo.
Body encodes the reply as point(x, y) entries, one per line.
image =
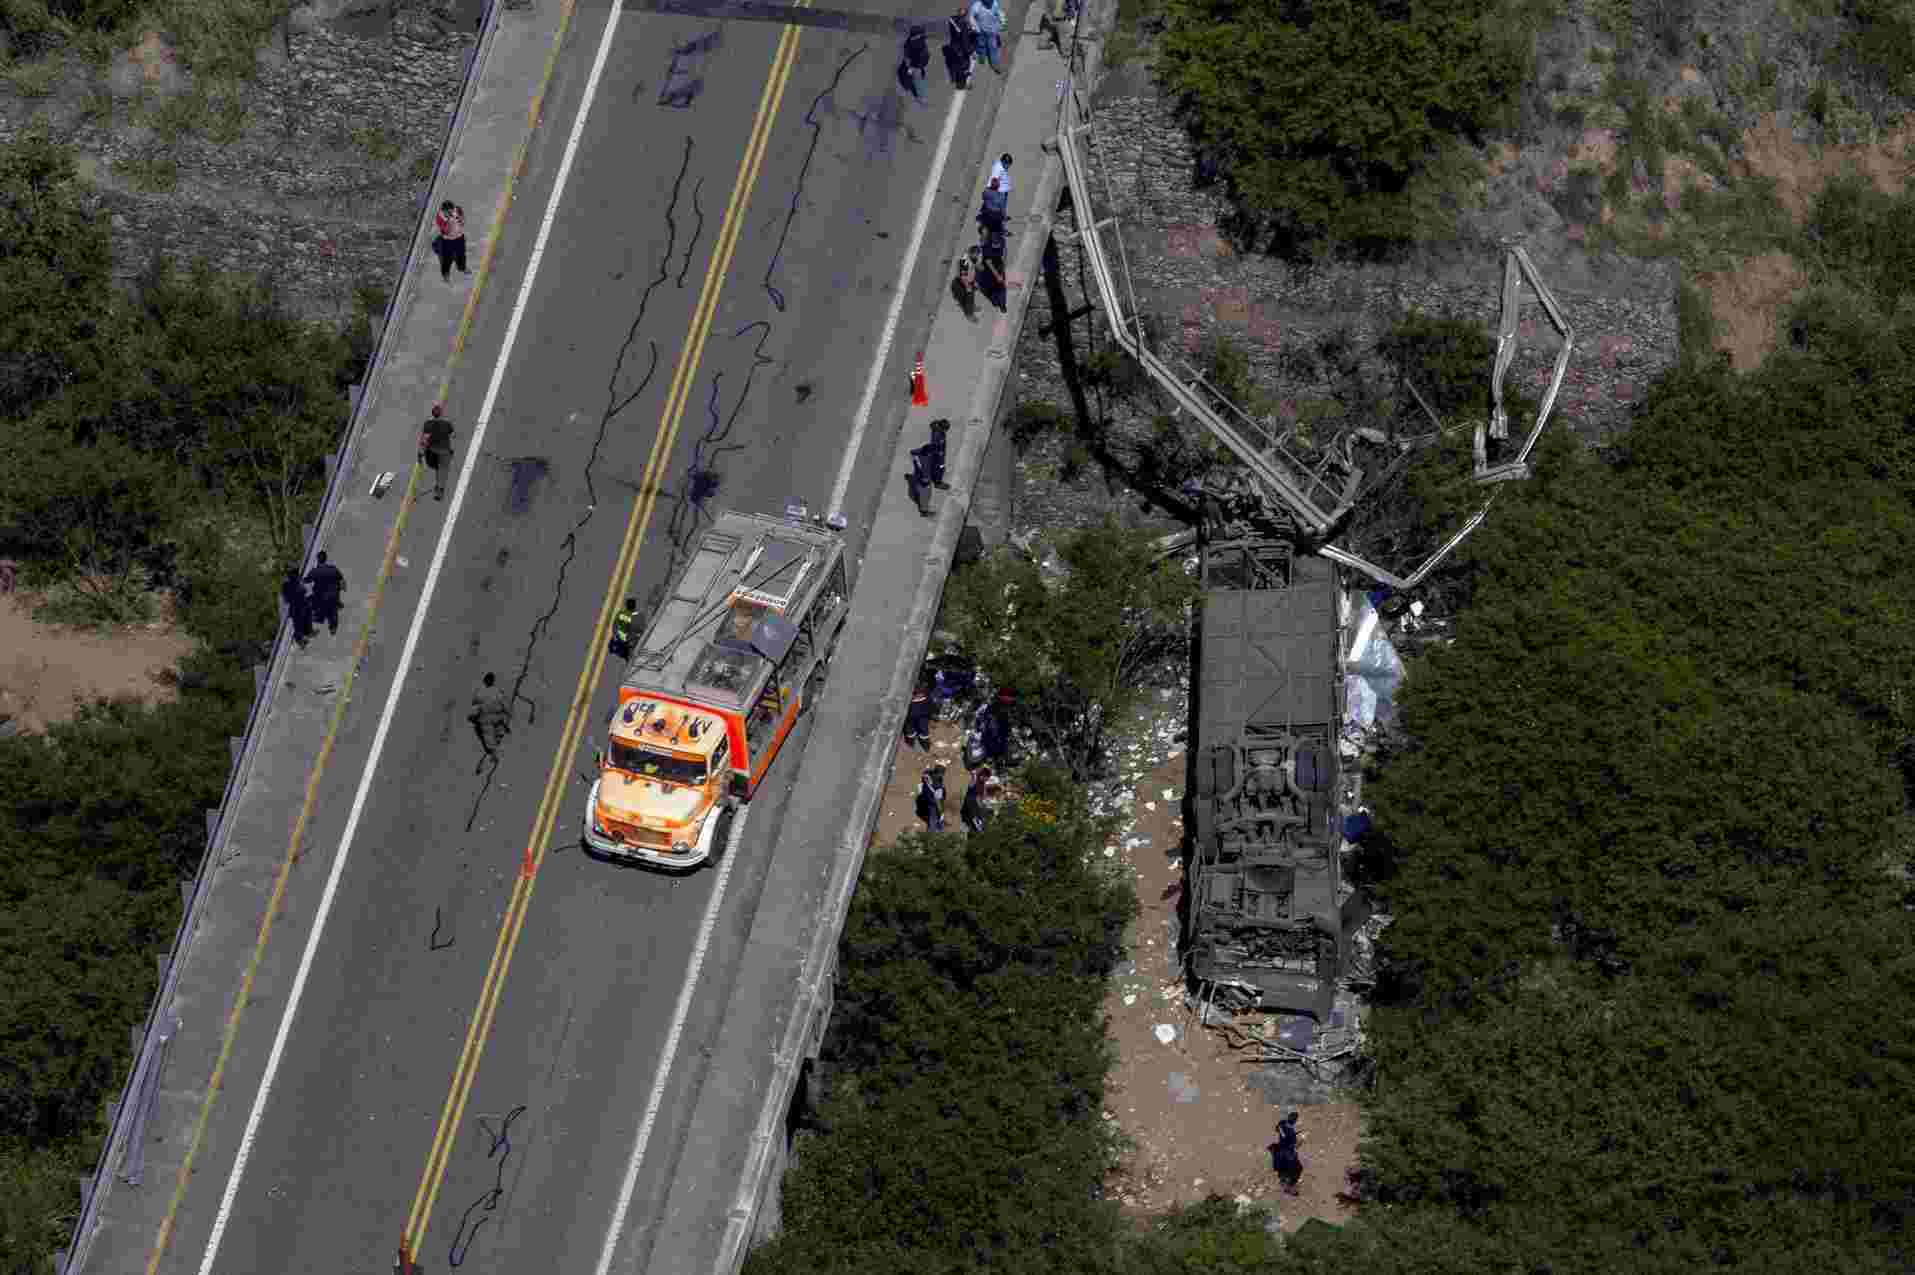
point(732, 611)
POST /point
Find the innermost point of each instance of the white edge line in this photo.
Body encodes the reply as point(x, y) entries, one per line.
point(863, 418)
point(615, 1230)
point(405, 662)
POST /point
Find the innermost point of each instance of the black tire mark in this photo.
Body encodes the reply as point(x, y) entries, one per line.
point(616, 403)
point(798, 187)
point(501, 1151)
point(689, 514)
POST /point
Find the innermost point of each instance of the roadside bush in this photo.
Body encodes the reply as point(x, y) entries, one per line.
point(968, 1011)
point(1075, 651)
point(1323, 117)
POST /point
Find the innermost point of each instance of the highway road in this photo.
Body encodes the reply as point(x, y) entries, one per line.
point(471, 1062)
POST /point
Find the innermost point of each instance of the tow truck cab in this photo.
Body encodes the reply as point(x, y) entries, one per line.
point(659, 796)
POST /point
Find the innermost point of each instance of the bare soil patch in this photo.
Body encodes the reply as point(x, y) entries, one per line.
point(1748, 303)
point(1196, 1126)
point(47, 671)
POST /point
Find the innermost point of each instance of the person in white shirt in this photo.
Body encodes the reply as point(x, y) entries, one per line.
point(1001, 172)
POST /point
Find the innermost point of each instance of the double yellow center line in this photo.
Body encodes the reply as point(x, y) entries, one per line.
point(556, 783)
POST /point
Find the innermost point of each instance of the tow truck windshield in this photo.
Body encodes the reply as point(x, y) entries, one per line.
point(631, 758)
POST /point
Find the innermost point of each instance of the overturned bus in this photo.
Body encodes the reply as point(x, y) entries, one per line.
point(1262, 918)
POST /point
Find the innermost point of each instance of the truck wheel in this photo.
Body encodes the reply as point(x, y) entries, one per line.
point(721, 836)
point(815, 685)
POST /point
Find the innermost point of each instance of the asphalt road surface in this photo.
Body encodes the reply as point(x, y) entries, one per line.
point(542, 1113)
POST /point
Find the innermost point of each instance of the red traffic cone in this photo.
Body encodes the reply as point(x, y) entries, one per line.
point(920, 393)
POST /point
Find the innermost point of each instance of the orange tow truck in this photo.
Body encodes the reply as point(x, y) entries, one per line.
point(737, 650)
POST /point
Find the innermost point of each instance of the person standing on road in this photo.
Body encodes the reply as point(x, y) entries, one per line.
point(624, 624)
point(299, 608)
point(930, 801)
point(960, 49)
point(988, 22)
point(1283, 1154)
point(965, 286)
point(916, 63)
point(997, 205)
point(990, 269)
point(450, 241)
point(329, 586)
point(1001, 173)
point(435, 448)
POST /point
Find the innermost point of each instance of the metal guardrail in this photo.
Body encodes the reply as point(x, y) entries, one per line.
point(124, 1145)
point(1300, 490)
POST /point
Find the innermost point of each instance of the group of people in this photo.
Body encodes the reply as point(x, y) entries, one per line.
point(313, 598)
point(973, 31)
point(981, 268)
point(986, 745)
point(981, 796)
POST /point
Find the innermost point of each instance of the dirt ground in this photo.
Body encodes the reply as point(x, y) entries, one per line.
point(1195, 1126)
point(46, 670)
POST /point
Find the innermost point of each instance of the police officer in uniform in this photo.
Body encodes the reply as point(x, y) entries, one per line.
point(624, 624)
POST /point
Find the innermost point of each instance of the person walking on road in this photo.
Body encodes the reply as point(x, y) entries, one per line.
point(930, 800)
point(299, 608)
point(328, 586)
point(960, 49)
point(435, 448)
point(491, 718)
point(988, 21)
point(916, 64)
point(624, 624)
point(450, 240)
point(1283, 1154)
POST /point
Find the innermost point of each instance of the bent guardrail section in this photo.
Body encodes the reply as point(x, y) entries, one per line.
point(1309, 497)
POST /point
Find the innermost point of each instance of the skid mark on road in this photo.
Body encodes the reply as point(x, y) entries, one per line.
point(798, 186)
point(617, 400)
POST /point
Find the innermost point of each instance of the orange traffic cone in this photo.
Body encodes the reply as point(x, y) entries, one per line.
point(920, 393)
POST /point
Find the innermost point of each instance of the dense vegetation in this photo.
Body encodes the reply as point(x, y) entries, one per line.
point(1341, 119)
point(159, 446)
point(968, 1012)
point(1076, 651)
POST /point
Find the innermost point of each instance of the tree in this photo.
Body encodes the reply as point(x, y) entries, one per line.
point(1326, 118)
point(102, 518)
point(55, 268)
point(1076, 652)
point(969, 1011)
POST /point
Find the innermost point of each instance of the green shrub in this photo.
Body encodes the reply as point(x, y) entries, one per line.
point(968, 1010)
point(1323, 117)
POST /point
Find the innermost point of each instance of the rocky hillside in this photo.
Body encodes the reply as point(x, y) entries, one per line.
point(313, 173)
